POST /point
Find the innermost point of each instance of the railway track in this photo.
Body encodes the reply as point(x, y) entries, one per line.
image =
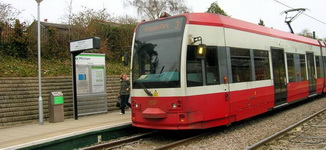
point(150, 140)
point(180, 142)
point(309, 133)
point(121, 142)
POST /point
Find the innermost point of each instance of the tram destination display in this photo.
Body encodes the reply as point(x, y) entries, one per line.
point(173, 25)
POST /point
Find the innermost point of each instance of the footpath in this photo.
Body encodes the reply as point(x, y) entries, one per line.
point(35, 134)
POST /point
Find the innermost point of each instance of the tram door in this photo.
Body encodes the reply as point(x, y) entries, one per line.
point(279, 76)
point(311, 73)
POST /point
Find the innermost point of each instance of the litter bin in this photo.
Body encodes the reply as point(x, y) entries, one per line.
point(56, 112)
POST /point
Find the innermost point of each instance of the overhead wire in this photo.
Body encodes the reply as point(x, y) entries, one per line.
point(302, 13)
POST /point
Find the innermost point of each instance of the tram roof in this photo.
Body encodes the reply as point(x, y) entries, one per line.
point(210, 19)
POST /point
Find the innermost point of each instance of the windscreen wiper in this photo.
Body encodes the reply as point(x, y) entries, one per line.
point(149, 93)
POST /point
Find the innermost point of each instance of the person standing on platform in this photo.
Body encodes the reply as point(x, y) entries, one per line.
point(124, 92)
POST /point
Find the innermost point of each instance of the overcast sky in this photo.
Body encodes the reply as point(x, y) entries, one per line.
point(248, 10)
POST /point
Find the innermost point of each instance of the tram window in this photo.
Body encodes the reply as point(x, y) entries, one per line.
point(319, 72)
point(194, 69)
point(303, 74)
point(262, 68)
point(212, 67)
point(241, 65)
point(291, 67)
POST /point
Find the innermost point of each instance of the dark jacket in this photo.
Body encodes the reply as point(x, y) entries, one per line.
point(124, 85)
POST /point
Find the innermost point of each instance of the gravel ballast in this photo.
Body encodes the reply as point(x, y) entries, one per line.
point(250, 131)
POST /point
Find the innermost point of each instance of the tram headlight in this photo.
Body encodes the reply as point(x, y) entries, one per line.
point(135, 105)
point(201, 51)
point(174, 106)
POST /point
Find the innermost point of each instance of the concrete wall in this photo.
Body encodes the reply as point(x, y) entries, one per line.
point(19, 97)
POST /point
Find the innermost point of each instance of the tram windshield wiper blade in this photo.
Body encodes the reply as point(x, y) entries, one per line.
point(149, 93)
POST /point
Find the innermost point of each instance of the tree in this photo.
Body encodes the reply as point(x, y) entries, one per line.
point(306, 33)
point(309, 34)
point(116, 38)
point(68, 15)
point(127, 20)
point(85, 21)
point(151, 9)
point(87, 16)
point(215, 9)
point(8, 13)
point(17, 45)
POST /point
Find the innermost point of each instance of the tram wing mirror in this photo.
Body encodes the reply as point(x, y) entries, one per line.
point(201, 51)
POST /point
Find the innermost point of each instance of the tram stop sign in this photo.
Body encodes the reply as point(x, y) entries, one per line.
point(76, 47)
point(85, 44)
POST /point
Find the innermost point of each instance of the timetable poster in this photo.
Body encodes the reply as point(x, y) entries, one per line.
point(98, 80)
point(82, 80)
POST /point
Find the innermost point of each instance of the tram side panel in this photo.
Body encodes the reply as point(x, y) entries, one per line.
point(319, 85)
point(321, 69)
point(207, 110)
point(251, 87)
point(250, 97)
point(297, 85)
point(207, 103)
point(243, 98)
point(251, 102)
point(297, 90)
point(319, 74)
point(301, 83)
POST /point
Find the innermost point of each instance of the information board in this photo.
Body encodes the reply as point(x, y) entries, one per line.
point(82, 79)
point(91, 83)
point(98, 80)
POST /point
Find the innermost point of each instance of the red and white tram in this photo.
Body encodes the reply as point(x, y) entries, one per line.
point(201, 70)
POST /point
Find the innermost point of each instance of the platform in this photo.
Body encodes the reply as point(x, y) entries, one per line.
point(34, 134)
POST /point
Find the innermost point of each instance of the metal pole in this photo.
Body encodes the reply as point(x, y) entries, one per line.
point(74, 84)
point(40, 100)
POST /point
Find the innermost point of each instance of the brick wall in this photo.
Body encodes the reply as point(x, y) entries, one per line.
point(19, 98)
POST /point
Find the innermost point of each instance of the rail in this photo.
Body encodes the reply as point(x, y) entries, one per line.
point(282, 132)
point(178, 143)
point(115, 144)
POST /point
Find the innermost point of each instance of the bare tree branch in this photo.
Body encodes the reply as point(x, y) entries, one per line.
point(151, 9)
point(8, 13)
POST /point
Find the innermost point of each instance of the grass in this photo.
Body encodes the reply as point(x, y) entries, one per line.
point(18, 67)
